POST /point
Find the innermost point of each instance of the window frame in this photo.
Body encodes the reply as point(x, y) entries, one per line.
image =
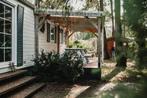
point(51, 31)
point(7, 34)
point(62, 36)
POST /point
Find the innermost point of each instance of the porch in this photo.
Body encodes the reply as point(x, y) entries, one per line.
point(64, 26)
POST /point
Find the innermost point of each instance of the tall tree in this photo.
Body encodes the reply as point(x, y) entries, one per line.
point(112, 16)
point(120, 50)
point(136, 16)
point(52, 4)
point(104, 32)
point(92, 4)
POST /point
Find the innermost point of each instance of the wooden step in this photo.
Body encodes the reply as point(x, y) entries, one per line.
point(9, 75)
point(4, 89)
point(28, 91)
point(92, 73)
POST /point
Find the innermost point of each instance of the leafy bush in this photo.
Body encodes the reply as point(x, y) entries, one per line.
point(52, 66)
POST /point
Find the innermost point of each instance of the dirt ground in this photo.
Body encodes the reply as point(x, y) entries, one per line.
point(129, 82)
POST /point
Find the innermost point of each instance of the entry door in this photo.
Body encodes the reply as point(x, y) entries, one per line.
point(5, 34)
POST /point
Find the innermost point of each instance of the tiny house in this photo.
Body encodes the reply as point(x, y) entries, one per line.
point(17, 34)
point(22, 37)
point(18, 42)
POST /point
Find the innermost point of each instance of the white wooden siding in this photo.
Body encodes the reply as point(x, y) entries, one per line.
point(44, 45)
point(49, 46)
point(28, 34)
point(28, 37)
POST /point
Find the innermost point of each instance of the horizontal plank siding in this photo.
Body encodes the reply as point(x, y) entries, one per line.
point(28, 33)
point(29, 37)
point(45, 44)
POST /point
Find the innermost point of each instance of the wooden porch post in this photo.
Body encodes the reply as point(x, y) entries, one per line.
point(67, 39)
point(37, 28)
point(36, 37)
point(99, 42)
point(58, 39)
point(102, 39)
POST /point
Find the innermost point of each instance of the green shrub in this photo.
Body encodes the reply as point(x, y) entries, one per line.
point(53, 67)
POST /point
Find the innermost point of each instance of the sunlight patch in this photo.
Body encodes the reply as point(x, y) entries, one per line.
point(106, 87)
point(76, 90)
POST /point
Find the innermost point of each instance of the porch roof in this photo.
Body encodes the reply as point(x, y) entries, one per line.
point(75, 24)
point(83, 21)
point(71, 13)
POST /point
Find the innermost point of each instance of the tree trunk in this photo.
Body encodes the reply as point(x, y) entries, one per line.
point(106, 56)
point(112, 15)
point(120, 49)
point(101, 5)
point(142, 50)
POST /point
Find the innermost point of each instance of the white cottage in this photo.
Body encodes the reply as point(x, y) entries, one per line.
point(17, 34)
point(25, 32)
point(18, 41)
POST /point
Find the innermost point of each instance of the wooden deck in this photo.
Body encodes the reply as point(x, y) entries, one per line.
point(91, 65)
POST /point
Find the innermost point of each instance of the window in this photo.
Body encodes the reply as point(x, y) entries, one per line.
point(48, 32)
point(5, 32)
point(51, 33)
point(62, 36)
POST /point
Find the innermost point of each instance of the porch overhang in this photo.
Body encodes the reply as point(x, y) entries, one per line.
point(59, 13)
point(74, 21)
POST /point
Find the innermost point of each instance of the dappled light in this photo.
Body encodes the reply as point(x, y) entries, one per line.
point(118, 88)
point(76, 91)
point(73, 48)
point(113, 73)
point(129, 82)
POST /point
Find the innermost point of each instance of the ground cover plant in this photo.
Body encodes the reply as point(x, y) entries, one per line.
point(54, 67)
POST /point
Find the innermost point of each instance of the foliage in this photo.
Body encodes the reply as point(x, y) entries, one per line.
point(52, 66)
point(77, 44)
point(87, 36)
point(136, 10)
point(136, 16)
point(70, 44)
point(53, 4)
point(132, 47)
point(92, 4)
point(120, 49)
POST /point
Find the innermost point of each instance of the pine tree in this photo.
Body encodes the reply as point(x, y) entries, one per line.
point(136, 16)
point(120, 49)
